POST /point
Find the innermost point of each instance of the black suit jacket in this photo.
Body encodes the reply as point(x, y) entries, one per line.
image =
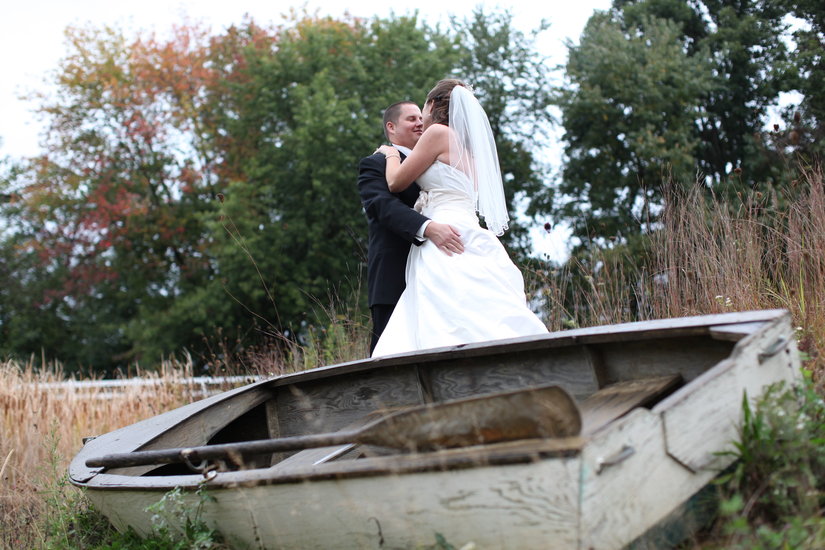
point(392, 228)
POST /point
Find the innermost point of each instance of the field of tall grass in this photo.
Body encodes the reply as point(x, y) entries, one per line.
point(43, 425)
point(763, 250)
point(44, 417)
point(756, 251)
point(759, 250)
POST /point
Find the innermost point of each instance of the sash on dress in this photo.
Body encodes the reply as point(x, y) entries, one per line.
point(422, 201)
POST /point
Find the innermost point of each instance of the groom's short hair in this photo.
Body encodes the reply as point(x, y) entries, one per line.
point(392, 113)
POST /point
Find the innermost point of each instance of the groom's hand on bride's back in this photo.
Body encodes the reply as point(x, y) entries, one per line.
point(445, 236)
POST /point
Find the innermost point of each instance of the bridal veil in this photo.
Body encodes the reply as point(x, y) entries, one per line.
point(473, 151)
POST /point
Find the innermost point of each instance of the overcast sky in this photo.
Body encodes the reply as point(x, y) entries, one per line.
point(31, 35)
point(31, 38)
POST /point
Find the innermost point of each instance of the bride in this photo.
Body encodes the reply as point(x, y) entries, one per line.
point(478, 295)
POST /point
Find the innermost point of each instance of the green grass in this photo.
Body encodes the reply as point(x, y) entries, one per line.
point(775, 493)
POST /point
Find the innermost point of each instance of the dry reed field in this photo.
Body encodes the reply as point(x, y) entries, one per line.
point(758, 250)
point(44, 416)
point(43, 423)
point(763, 250)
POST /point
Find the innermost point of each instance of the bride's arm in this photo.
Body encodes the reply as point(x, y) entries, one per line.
point(432, 145)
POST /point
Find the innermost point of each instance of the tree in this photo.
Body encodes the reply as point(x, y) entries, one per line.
point(722, 65)
point(314, 107)
point(196, 185)
point(743, 41)
point(806, 123)
point(111, 210)
point(628, 115)
point(513, 84)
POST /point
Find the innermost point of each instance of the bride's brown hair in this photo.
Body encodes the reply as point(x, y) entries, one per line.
point(439, 96)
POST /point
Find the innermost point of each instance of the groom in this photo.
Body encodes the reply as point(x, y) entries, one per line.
point(393, 224)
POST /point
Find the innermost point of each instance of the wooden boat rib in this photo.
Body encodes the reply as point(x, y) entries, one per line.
point(659, 400)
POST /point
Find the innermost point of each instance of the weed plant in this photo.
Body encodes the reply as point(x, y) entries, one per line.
point(775, 493)
point(176, 527)
point(68, 521)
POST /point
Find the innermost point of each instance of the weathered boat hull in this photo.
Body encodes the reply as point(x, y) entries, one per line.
point(604, 490)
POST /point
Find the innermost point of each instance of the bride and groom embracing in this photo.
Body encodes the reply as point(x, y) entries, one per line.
point(455, 284)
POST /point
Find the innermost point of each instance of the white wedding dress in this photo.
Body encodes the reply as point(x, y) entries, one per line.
point(475, 296)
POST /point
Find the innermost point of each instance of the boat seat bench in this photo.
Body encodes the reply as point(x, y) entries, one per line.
point(615, 400)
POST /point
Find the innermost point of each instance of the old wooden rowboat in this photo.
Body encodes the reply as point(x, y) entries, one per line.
point(658, 401)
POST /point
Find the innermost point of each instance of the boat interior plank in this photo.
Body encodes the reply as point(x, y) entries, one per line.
point(322, 405)
point(565, 367)
point(273, 427)
point(312, 457)
point(200, 428)
point(689, 356)
point(595, 359)
point(734, 333)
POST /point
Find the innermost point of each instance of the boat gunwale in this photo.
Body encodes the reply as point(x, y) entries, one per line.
point(477, 456)
point(637, 331)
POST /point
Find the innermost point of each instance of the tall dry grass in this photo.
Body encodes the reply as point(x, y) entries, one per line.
point(43, 422)
point(42, 425)
point(709, 255)
point(766, 250)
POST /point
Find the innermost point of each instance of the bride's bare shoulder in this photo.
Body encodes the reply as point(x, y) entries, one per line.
point(438, 129)
point(437, 136)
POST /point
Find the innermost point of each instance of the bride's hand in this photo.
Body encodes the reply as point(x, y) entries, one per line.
point(387, 150)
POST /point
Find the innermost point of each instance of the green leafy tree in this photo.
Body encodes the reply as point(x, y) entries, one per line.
point(682, 90)
point(106, 225)
point(628, 115)
point(194, 185)
point(805, 124)
point(313, 107)
point(513, 83)
point(743, 41)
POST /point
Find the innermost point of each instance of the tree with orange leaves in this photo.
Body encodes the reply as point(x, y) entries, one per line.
point(121, 249)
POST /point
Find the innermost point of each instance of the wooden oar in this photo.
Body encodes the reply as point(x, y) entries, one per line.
point(539, 412)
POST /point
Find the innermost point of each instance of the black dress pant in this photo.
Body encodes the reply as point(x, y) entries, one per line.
point(381, 314)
